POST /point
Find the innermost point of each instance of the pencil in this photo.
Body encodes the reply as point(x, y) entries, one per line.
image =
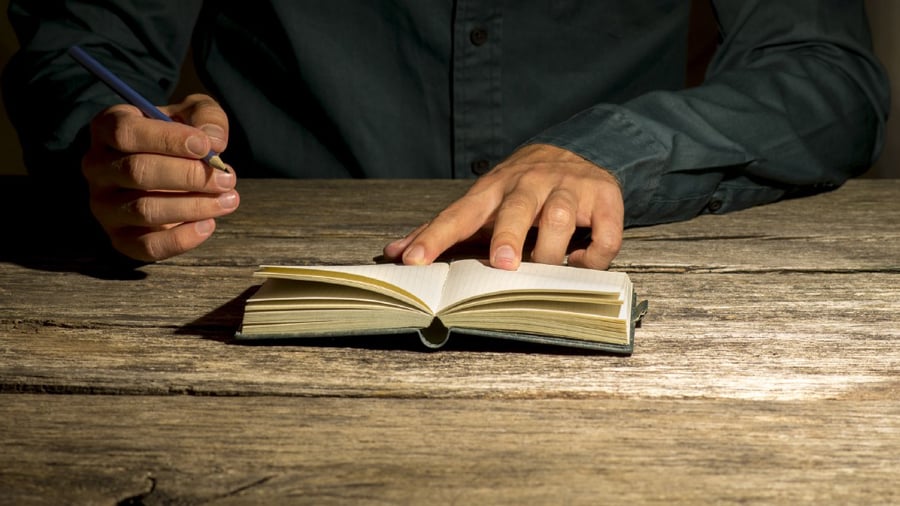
point(132, 96)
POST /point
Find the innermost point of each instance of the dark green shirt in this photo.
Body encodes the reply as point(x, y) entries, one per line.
point(794, 100)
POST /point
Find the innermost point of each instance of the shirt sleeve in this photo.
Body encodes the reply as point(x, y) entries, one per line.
point(793, 102)
point(51, 99)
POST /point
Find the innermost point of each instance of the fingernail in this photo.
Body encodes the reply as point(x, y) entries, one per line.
point(204, 227)
point(228, 200)
point(414, 255)
point(214, 131)
point(197, 145)
point(225, 180)
point(504, 258)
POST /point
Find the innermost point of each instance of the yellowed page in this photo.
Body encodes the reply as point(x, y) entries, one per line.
point(292, 294)
point(469, 279)
point(419, 286)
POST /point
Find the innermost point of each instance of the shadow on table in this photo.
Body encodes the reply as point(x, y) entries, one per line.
point(223, 323)
point(50, 228)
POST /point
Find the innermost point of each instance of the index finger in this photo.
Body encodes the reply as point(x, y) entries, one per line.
point(203, 112)
point(457, 222)
point(125, 129)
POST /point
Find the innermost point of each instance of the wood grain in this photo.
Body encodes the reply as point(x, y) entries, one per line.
point(263, 450)
point(767, 370)
point(718, 335)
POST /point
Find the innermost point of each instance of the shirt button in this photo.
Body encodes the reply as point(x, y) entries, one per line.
point(478, 36)
point(714, 205)
point(480, 167)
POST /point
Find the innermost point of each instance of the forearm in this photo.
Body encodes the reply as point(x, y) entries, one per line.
point(51, 99)
point(787, 106)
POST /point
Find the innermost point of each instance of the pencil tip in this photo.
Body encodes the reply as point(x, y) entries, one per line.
point(217, 162)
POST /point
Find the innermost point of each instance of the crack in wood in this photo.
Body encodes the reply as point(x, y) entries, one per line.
point(244, 488)
point(138, 499)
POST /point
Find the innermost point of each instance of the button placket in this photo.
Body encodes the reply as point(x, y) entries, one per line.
point(478, 36)
point(480, 167)
point(476, 91)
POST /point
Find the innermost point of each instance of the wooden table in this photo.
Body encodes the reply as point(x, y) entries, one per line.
point(767, 370)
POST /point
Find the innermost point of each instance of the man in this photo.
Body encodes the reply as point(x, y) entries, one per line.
point(572, 114)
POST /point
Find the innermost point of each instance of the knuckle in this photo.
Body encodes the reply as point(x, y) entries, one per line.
point(174, 143)
point(152, 247)
point(450, 225)
point(448, 217)
point(172, 243)
point(195, 177)
point(517, 203)
point(123, 136)
point(535, 176)
point(506, 237)
point(200, 100)
point(133, 168)
point(558, 217)
point(144, 209)
point(608, 244)
point(198, 208)
point(162, 245)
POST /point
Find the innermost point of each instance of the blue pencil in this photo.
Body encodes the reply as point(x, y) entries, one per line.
point(133, 97)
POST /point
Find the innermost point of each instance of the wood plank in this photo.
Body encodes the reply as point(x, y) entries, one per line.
point(856, 227)
point(187, 450)
point(766, 371)
point(744, 336)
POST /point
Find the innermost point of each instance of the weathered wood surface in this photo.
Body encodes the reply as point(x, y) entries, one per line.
point(269, 450)
point(767, 371)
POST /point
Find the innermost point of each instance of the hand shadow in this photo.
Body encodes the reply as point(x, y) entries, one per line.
point(49, 227)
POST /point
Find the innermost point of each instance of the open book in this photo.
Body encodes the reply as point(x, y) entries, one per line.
point(539, 303)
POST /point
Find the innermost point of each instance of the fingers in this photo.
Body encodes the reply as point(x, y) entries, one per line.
point(607, 218)
point(459, 221)
point(540, 185)
point(150, 190)
point(107, 169)
point(150, 245)
point(121, 136)
point(606, 241)
point(156, 209)
point(124, 129)
point(514, 219)
point(152, 226)
point(555, 227)
point(204, 113)
point(395, 249)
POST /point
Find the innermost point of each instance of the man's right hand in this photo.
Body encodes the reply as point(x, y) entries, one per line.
point(150, 189)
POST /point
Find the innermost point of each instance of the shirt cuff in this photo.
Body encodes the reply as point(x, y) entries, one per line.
point(608, 137)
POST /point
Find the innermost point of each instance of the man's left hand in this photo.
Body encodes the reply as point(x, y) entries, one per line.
point(539, 186)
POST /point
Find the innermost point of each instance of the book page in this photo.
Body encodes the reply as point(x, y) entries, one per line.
point(292, 294)
point(420, 286)
point(472, 278)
